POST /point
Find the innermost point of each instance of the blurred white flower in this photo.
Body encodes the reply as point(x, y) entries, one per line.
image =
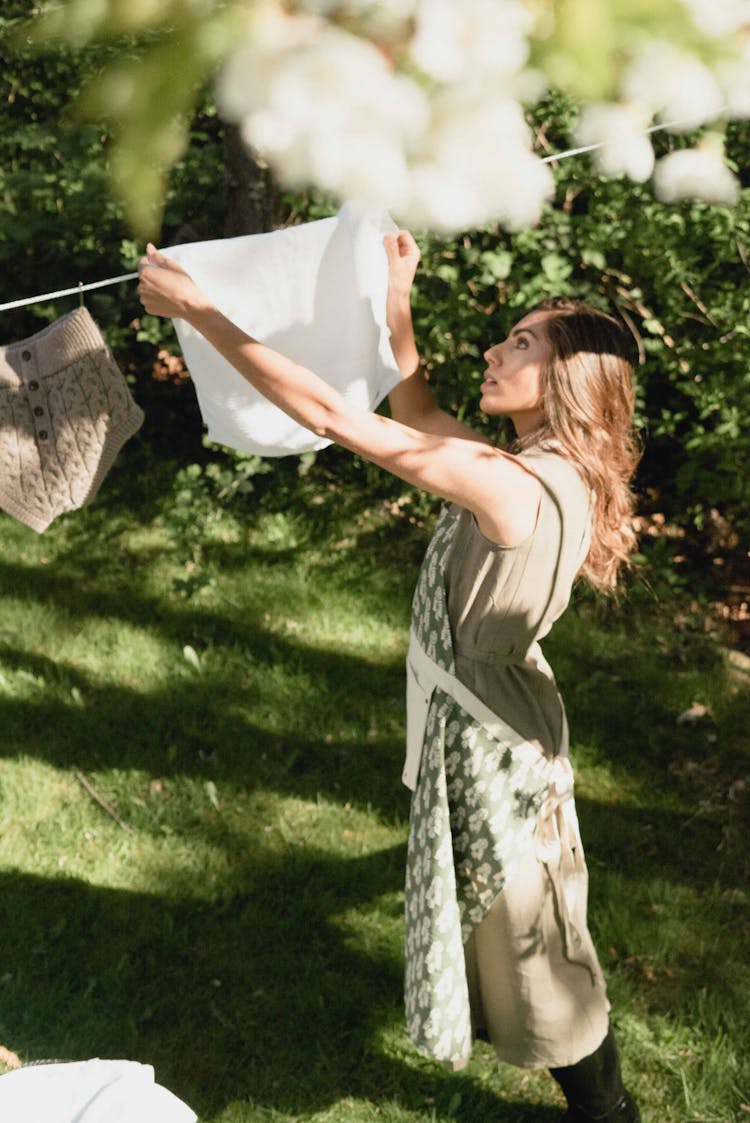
point(384, 20)
point(621, 130)
point(475, 165)
point(719, 18)
point(528, 85)
point(364, 166)
point(474, 121)
point(453, 41)
point(388, 9)
point(449, 200)
point(696, 173)
point(272, 37)
point(679, 89)
point(442, 198)
point(338, 80)
point(325, 107)
point(517, 199)
point(734, 77)
point(311, 72)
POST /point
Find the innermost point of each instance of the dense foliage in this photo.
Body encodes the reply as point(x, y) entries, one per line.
point(678, 275)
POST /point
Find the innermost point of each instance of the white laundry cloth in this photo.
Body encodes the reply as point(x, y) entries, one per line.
point(314, 292)
point(94, 1091)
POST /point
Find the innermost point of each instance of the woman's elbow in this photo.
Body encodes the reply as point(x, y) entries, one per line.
point(329, 423)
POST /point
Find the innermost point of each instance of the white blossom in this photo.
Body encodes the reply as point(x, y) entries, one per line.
point(441, 199)
point(733, 75)
point(271, 38)
point(474, 164)
point(386, 9)
point(474, 118)
point(331, 108)
point(455, 41)
point(386, 21)
point(529, 85)
point(324, 107)
point(719, 18)
point(676, 87)
point(695, 173)
point(621, 131)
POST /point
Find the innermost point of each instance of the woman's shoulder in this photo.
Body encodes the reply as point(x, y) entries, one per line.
point(551, 462)
point(561, 477)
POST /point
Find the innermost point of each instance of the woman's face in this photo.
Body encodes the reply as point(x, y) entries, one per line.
point(512, 381)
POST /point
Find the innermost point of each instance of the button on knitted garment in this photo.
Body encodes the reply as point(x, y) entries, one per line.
point(65, 413)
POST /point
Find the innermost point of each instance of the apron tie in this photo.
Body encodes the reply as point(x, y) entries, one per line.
point(560, 850)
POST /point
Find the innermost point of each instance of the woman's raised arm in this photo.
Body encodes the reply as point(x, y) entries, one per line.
point(501, 492)
point(411, 401)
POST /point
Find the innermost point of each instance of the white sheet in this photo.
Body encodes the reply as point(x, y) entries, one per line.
point(316, 293)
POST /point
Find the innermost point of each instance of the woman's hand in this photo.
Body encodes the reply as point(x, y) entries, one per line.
point(166, 289)
point(403, 258)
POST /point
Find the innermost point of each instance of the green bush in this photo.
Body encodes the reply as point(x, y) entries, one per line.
point(676, 274)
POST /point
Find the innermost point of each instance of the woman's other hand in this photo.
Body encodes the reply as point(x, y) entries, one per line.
point(166, 289)
point(403, 258)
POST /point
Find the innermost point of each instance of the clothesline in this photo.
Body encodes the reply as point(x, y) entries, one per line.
point(82, 288)
point(79, 288)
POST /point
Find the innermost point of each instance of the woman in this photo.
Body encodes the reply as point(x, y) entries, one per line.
point(496, 935)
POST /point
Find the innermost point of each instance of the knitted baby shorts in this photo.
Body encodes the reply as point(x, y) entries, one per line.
point(65, 413)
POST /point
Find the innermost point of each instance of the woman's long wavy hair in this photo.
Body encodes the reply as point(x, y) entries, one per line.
point(587, 389)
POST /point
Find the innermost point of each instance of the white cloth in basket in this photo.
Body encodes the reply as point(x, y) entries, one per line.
point(95, 1091)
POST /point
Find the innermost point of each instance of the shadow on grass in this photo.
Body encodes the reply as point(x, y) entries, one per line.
point(214, 724)
point(260, 999)
point(202, 726)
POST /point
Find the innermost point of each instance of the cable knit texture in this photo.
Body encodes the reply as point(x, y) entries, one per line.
point(65, 413)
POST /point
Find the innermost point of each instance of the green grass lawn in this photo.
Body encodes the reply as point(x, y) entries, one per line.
point(238, 924)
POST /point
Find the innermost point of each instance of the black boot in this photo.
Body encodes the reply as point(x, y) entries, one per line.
point(594, 1089)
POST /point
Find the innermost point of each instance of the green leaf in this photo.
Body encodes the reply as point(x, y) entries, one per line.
point(555, 267)
point(497, 264)
point(594, 258)
point(447, 273)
